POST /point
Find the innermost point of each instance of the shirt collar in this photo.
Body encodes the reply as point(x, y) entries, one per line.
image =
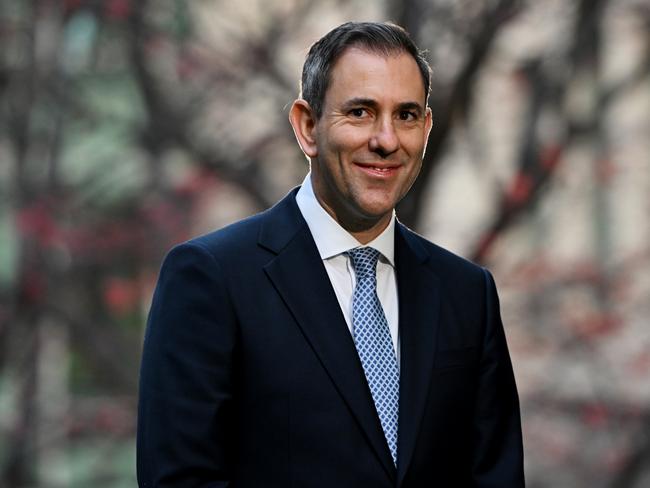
point(332, 239)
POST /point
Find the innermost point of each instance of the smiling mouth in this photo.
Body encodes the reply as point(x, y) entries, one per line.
point(378, 170)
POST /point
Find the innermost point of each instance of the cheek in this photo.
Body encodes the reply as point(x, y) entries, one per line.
point(349, 140)
point(413, 144)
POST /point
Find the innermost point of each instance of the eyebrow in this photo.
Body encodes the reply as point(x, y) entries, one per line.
point(369, 102)
point(415, 106)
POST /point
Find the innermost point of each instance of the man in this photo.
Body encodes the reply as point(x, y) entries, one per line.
point(321, 343)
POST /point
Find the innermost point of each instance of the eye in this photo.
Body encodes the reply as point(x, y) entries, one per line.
point(408, 115)
point(358, 112)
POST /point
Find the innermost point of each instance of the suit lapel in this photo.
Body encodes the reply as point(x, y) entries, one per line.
point(419, 301)
point(299, 276)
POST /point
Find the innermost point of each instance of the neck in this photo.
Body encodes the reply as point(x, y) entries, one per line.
point(367, 234)
point(362, 229)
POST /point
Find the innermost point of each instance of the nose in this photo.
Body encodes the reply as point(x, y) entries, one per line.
point(384, 140)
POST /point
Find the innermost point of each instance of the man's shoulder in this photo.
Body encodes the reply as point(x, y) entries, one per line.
point(240, 237)
point(442, 260)
point(236, 234)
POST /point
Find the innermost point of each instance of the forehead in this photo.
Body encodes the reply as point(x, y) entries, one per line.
point(362, 73)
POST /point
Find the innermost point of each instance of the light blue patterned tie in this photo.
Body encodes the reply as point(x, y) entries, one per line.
point(374, 344)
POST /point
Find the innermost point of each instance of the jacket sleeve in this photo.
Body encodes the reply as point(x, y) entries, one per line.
point(498, 454)
point(185, 411)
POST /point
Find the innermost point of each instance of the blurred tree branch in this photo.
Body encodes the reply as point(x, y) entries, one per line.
point(537, 160)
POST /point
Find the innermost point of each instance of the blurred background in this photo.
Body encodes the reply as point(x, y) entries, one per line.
point(128, 126)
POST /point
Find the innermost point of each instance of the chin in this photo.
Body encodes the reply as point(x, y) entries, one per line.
point(378, 205)
point(375, 212)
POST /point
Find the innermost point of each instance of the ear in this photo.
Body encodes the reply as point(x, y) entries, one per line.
point(303, 121)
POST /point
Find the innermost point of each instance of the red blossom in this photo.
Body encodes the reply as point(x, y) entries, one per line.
point(118, 9)
point(485, 243)
point(121, 295)
point(534, 269)
point(37, 222)
point(112, 419)
point(639, 364)
point(154, 43)
point(520, 190)
point(597, 325)
point(71, 5)
point(606, 171)
point(595, 415)
point(588, 271)
point(615, 459)
point(550, 156)
point(186, 66)
point(196, 183)
point(33, 287)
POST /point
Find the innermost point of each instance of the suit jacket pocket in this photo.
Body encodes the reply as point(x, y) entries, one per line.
point(464, 357)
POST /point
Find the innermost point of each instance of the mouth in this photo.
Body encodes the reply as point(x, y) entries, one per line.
point(378, 170)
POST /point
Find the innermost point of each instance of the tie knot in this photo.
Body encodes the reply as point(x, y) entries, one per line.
point(364, 261)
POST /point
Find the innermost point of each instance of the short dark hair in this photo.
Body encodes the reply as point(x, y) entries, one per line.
point(384, 38)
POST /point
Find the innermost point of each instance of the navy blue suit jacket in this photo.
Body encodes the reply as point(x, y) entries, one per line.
point(250, 377)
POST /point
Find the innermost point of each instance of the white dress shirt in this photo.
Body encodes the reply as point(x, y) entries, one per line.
point(333, 241)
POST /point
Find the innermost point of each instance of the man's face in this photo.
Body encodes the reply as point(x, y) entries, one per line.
point(370, 138)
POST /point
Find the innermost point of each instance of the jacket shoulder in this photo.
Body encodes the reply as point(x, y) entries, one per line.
point(231, 238)
point(444, 262)
point(270, 229)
